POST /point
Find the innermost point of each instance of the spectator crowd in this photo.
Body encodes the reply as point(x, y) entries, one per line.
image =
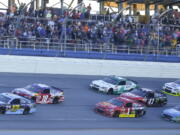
point(26, 24)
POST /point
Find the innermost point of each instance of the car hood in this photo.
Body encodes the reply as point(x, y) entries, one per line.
point(172, 112)
point(130, 95)
point(173, 85)
point(102, 83)
point(25, 91)
point(106, 105)
point(2, 103)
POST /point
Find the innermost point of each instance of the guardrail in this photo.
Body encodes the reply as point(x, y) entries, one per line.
point(61, 49)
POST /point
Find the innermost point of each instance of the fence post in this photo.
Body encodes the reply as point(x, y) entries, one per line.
point(87, 48)
point(48, 42)
point(128, 50)
point(34, 46)
point(20, 44)
point(16, 42)
point(75, 48)
point(141, 50)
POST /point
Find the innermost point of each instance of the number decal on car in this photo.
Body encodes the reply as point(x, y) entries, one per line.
point(45, 98)
point(151, 101)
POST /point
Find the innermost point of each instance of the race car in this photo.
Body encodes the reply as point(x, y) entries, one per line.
point(146, 96)
point(172, 88)
point(14, 104)
point(172, 114)
point(41, 93)
point(113, 85)
point(120, 107)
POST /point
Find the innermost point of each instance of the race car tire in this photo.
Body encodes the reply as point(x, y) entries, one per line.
point(110, 91)
point(161, 103)
point(131, 89)
point(33, 99)
point(116, 114)
point(2, 110)
point(26, 111)
point(55, 100)
point(140, 113)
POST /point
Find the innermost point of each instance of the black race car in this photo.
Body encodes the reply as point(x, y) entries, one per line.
point(146, 96)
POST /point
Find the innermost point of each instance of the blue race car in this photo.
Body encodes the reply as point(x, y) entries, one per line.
point(172, 114)
point(14, 104)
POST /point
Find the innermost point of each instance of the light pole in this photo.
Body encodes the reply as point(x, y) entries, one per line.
point(63, 33)
point(62, 8)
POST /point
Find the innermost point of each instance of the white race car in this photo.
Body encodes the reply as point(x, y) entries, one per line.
point(172, 88)
point(113, 85)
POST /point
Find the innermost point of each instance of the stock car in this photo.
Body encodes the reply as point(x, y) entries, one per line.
point(14, 104)
point(41, 93)
point(146, 96)
point(114, 85)
point(172, 114)
point(172, 88)
point(120, 107)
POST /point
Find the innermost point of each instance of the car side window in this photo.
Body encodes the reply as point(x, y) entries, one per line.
point(150, 95)
point(23, 101)
point(129, 105)
point(46, 91)
point(122, 83)
point(128, 83)
point(15, 102)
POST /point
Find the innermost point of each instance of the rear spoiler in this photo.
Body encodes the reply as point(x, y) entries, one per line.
point(57, 88)
point(132, 81)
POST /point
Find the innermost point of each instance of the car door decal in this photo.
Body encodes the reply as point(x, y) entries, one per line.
point(151, 101)
point(45, 98)
point(14, 108)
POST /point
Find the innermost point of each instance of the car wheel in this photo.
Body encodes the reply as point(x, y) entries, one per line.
point(162, 103)
point(116, 114)
point(55, 100)
point(2, 110)
point(140, 113)
point(33, 99)
point(131, 89)
point(26, 111)
point(110, 91)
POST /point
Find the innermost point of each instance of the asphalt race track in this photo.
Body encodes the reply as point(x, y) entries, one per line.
point(77, 112)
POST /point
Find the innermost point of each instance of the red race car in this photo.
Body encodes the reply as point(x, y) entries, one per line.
point(41, 93)
point(121, 107)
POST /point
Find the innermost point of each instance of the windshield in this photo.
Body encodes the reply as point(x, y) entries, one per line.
point(177, 81)
point(4, 99)
point(33, 88)
point(111, 80)
point(139, 92)
point(177, 108)
point(115, 102)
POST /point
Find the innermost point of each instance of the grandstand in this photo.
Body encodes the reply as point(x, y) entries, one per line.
point(75, 32)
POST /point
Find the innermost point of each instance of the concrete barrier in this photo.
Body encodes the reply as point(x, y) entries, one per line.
point(89, 55)
point(54, 65)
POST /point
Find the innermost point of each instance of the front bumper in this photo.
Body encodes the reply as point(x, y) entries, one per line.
point(93, 86)
point(169, 117)
point(103, 111)
point(61, 98)
point(170, 92)
point(97, 87)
